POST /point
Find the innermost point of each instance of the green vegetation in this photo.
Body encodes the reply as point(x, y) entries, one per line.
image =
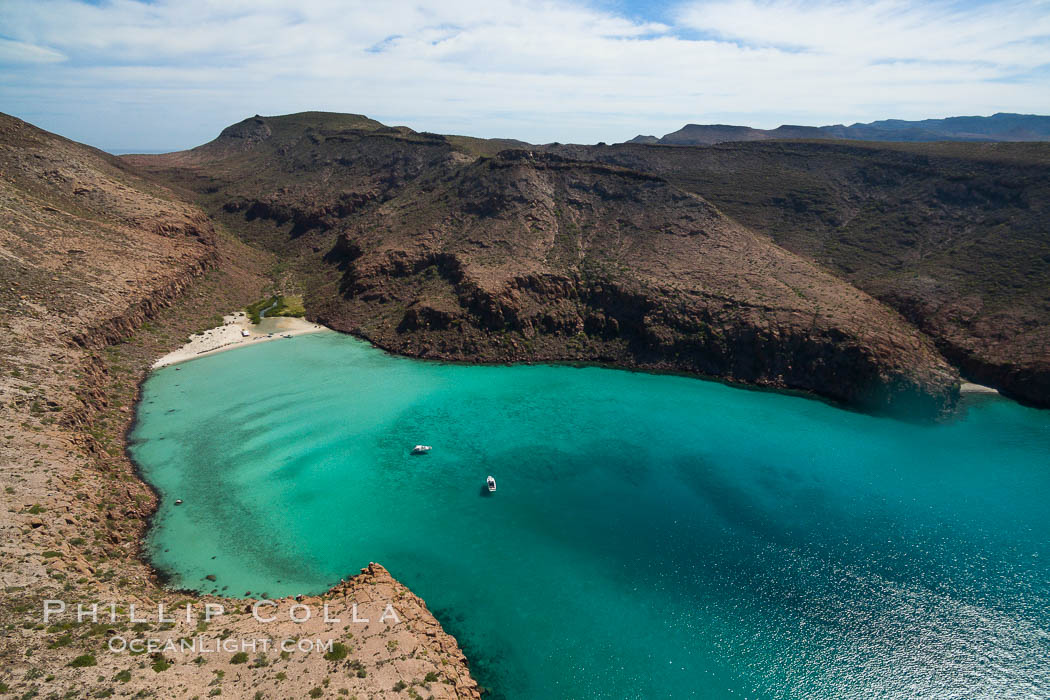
point(290, 305)
point(338, 653)
point(239, 658)
point(83, 660)
point(253, 310)
point(61, 641)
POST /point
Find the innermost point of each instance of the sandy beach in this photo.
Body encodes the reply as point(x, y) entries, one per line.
point(971, 388)
point(230, 336)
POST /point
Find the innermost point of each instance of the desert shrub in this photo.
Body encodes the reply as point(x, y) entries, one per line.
point(83, 660)
point(338, 652)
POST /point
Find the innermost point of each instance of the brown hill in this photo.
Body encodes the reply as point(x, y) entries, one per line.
point(306, 170)
point(420, 244)
point(952, 235)
point(82, 234)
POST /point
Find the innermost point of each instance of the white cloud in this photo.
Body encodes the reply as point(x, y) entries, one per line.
point(552, 70)
point(1000, 33)
point(21, 52)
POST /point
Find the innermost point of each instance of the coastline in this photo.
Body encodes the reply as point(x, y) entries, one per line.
point(971, 388)
point(436, 654)
point(86, 450)
point(230, 336)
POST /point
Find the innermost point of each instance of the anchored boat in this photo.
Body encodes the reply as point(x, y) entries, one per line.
point(491, 483)
point(421, 449)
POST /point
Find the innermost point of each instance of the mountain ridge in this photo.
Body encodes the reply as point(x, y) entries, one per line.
point(1002, 126)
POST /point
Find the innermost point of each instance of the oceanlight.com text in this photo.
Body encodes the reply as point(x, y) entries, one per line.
point(206, 645)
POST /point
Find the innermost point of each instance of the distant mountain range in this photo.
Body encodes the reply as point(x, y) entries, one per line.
point(998, 127)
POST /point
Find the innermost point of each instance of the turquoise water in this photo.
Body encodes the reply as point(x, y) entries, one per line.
point(652, 536)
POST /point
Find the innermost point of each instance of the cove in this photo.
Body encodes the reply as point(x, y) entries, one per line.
point(652, 535)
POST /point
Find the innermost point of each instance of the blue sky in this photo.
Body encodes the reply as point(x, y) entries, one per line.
point(168, 74)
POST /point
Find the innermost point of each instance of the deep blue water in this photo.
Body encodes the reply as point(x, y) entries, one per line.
point(652, 536)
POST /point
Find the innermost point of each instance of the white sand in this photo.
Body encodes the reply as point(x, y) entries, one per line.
point(228, 336)
point(971, 388)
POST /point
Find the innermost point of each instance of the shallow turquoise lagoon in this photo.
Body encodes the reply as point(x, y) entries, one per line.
point(652, 536)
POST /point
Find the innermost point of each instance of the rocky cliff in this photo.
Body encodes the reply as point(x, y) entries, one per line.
point(953, 236)
point(531, 256)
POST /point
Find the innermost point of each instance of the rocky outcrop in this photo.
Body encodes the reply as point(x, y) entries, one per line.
point(116, 328)
point(1008, 349)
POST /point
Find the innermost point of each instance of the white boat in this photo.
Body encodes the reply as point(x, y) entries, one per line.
point(491, 483)
point(421, 449)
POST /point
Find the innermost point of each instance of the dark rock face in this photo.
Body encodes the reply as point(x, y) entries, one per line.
point(534, 257)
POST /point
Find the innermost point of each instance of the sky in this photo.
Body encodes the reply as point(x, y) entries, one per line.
point(127, 75)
